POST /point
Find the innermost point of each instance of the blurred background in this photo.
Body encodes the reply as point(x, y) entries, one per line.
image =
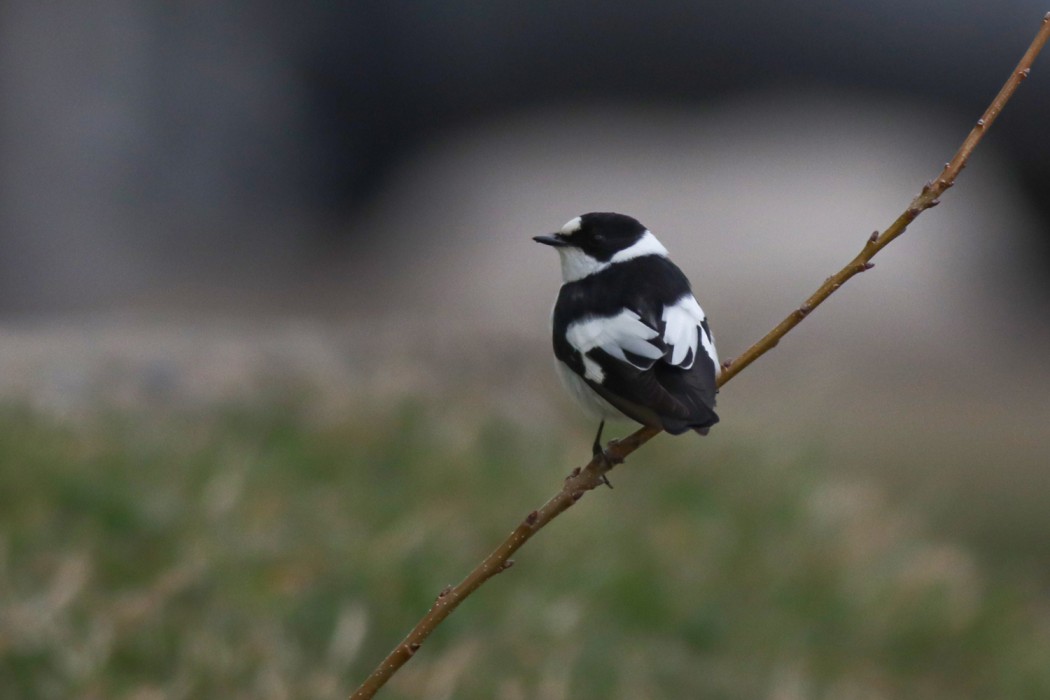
point(268, 292)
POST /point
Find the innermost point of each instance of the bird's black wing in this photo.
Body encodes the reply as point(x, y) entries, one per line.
point(675, 397)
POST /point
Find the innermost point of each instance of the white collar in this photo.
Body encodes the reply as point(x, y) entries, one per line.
point(575, 264)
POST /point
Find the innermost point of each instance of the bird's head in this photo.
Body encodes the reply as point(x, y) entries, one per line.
point(592, 242)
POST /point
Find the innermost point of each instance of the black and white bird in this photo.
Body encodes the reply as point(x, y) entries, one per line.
point(629, 337)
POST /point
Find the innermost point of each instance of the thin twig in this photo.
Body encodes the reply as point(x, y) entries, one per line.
point(582, 480)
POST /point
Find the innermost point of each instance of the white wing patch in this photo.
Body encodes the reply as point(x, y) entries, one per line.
point(616, 335)
point(681, 330)
point(626, 333)
point(708, 342)
point(592, 370)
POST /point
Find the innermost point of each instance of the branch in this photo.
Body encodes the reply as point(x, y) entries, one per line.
point(589, 477)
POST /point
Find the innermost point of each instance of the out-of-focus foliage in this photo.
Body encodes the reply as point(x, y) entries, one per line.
point(260, 553)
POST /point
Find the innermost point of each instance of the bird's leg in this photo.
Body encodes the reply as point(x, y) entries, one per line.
point(597, 448)
point(598, 451)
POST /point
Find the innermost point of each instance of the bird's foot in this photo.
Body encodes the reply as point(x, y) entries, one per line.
point(610, 457)
point(608, 460)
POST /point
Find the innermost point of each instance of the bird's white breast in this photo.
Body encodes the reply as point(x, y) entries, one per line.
point(584, 395)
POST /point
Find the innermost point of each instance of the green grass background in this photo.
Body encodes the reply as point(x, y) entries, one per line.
point(262, 552)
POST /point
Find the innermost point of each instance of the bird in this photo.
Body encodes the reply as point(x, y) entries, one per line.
point(630, 339)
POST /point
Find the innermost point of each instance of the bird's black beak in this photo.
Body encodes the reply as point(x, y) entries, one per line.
point(551, 240)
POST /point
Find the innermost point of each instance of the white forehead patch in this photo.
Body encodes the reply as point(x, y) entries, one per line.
point(572, 226)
